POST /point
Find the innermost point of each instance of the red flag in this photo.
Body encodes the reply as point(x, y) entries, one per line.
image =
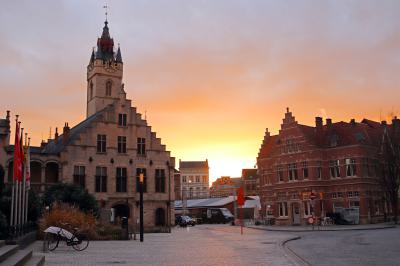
point(240, 196)
point(17, 154)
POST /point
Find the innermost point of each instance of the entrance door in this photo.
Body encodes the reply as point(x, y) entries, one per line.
point(296, 213)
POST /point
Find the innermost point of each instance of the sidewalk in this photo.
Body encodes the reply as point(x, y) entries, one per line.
point(309, 228)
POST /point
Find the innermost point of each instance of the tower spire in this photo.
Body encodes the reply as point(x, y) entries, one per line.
point(106, 8)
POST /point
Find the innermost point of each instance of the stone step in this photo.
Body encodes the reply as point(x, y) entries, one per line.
point(2, 243)
point(19, 258)
point(36, 260)
point(6, 251)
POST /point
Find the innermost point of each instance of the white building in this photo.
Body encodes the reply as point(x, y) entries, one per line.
point(194, 179)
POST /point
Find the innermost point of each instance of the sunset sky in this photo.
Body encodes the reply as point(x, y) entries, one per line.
point(211, 75)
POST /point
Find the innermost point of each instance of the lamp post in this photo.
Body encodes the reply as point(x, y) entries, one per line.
point(141, 180)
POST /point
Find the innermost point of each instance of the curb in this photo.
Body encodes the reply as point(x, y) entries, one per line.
point(323, 230)
point(297, 259)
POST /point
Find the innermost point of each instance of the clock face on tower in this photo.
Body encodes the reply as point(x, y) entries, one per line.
point(110, 66)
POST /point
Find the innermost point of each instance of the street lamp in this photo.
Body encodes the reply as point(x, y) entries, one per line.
point(141, 180)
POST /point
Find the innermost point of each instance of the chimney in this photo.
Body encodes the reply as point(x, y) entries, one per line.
point(383, 123)
point(318, 123)
point(8, 115)
point(43, 144)
point(396, 124)
point(328, 122)
point(65, 133)
point(56, 135)
point(352, 121)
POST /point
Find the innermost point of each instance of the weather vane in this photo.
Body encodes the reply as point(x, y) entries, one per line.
point(106, 8)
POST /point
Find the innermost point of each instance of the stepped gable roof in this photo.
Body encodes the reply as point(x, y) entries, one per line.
point(268, 146)
point(193, 164)
point(366, 132)
point(55, 147)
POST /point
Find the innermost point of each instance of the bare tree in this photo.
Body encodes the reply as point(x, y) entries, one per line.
point(389, 155)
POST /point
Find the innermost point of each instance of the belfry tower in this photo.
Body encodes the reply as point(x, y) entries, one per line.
point(104, 74)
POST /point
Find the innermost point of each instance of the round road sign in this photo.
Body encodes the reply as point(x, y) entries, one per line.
point(311, 220)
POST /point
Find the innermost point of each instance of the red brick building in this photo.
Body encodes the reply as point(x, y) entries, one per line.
point(334, 161)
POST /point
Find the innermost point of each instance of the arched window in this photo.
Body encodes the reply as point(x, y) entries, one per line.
point(108, 88)
point(160, 217)
point(91, 90)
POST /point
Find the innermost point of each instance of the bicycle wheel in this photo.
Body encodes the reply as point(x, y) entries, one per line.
point(82, 243)
point(52, 241)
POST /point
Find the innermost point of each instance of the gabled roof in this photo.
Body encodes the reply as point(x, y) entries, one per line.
point(193, 164)
point(55, 147)
point(338, 134)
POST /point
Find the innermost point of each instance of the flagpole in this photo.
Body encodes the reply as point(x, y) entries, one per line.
point(23, 183)
point(12, 202)
point(20, 185)
point(27, 178)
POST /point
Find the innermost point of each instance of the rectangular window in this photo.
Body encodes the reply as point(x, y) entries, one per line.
point(283, 210)
point(121, 144)
point(350, 167)
point(122, 120)
point(280, 173)
point(101, 179)
point(354, 204)
point(319, 170)
point(340, 194)
point(160, 180)
point(307, 208)
point(334, 168)
point(304, 166)
point(121, 179)
point(138, 172)
point(79, 175)
point(184, 179)
point(101, 143)
point(292, 170)
point(205, 179)
point(197, 179)
point(141, 146)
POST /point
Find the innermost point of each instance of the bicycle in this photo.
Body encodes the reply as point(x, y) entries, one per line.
point(78, 240)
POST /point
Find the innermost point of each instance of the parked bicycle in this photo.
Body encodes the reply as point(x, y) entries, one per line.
point(78, 240)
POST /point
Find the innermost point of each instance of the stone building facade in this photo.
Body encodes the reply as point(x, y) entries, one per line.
point(336, 162)
point(225, 186)
point(194, 176)
point(107, 151)
point(251, 182)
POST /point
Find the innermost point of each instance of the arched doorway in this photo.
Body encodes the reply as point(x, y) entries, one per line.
point(51, 172)
point(160, 217)
point(121, 210)
point(36, 172)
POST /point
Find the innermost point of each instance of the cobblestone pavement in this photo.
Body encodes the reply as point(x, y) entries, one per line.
point(199, 245)
point(369, 247)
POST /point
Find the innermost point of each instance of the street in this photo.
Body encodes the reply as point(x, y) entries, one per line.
point(224, 245)
point(360, 247)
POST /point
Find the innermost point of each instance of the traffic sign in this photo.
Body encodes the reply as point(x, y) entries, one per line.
point(313, 196)
point(311, 220)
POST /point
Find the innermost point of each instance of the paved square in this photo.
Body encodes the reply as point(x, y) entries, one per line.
point(199, 245)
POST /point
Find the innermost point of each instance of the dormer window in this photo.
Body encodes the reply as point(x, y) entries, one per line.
point(108, 88)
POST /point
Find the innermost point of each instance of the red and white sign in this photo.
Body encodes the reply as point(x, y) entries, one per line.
point(313, 196)
point(311, 220)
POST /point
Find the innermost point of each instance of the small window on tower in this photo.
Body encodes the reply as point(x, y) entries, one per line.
point(108, 88)
point(91, 90)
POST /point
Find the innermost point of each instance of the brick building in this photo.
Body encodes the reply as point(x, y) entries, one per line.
point(251, 182)
point(335, 161)
point(107, 151)
point(225, 186)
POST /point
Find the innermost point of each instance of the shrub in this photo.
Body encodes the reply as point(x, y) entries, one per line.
point(63, 213)
point(71, 194)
